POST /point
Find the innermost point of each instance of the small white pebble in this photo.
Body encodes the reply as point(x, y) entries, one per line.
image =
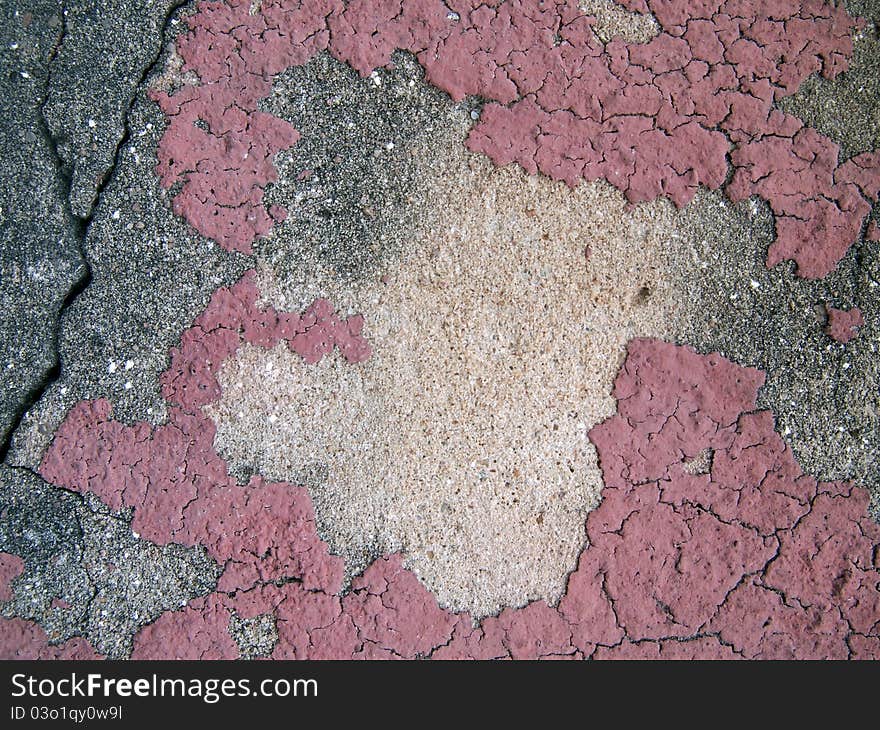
point(111, 368)
point(129, 364)
point(91, 123)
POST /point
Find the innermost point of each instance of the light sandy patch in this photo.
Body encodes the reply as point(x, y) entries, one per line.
point(614, 21)
point(496, 336)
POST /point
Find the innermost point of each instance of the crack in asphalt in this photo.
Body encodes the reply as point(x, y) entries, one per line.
point(78, 225)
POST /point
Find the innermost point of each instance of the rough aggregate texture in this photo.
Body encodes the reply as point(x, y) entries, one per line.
point(356, 185)
point(40, 260)
point(150, 279)
point(613, 21)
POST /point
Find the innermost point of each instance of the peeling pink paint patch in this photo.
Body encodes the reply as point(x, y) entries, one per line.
point(199, 631)
point(819, 206)
point(191, 379)
point(873, 232)
point(753, 559)
point(11, 566)
point(653, 119)
point(182, 493)
point(20, 639)
point(392, 610)
point(843, 324)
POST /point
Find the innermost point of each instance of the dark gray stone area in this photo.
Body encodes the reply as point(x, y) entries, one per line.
point(40, 261)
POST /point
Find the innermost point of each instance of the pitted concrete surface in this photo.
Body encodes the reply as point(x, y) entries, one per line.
point(445, 330)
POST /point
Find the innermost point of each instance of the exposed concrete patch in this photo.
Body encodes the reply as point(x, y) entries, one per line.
point(85, 573)
point(495, 338)
point(613, 21)
point(355, 184)
point(256, 637)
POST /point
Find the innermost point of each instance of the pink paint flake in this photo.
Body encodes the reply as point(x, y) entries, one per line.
point(20, 639)
point(11, 566)
point(843, 324)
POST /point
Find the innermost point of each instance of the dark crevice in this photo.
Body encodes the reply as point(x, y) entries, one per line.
point(78, 226)
point(126, 128)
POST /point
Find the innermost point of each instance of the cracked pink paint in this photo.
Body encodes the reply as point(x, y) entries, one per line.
point(843, 324)
point(20, 639)
point(751, 559)
point(11, 566)
point(654, 119)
